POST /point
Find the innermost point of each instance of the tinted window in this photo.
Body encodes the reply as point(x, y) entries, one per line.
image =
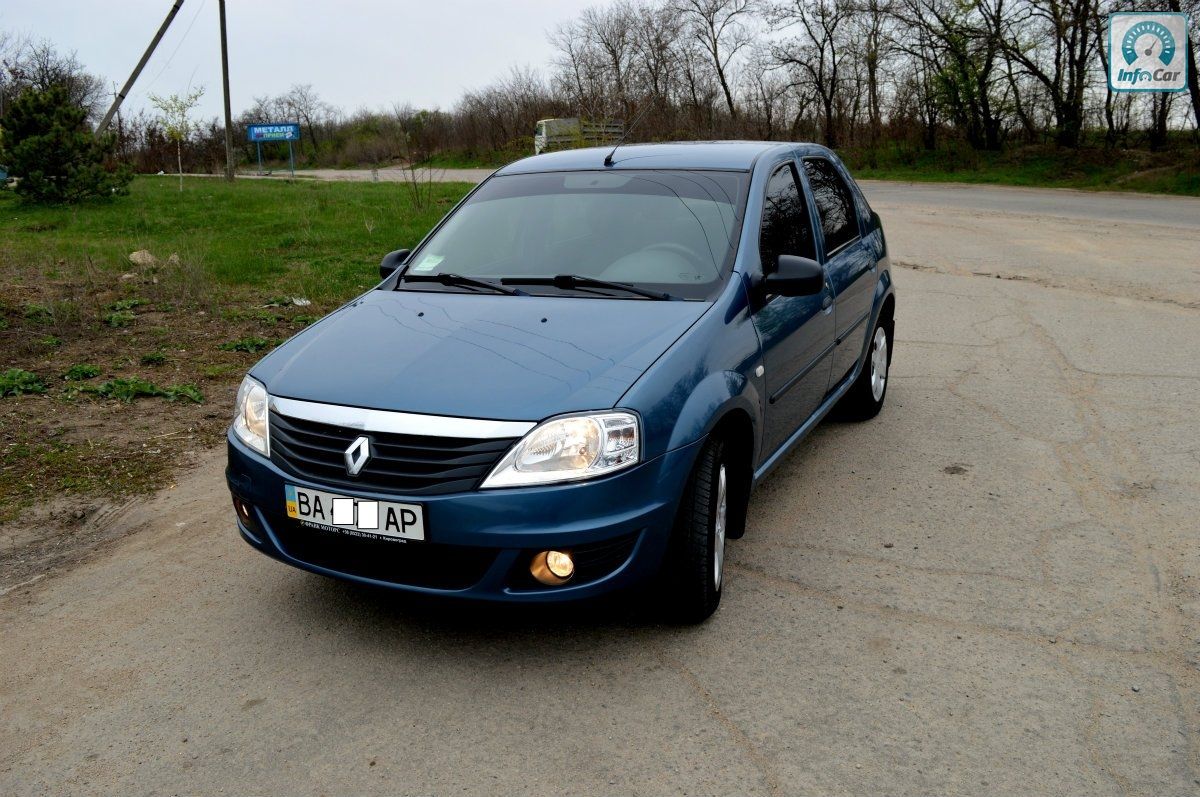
point(785, 226)
point(834, 204)
point(675, 229)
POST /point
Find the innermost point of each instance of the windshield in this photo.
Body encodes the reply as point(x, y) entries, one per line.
point(674, 231)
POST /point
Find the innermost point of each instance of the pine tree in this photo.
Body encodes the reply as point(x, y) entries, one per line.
point(47, 145)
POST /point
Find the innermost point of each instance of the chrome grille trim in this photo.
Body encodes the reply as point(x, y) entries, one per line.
point(392, 422)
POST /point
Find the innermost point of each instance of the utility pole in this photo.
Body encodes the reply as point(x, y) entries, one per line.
point(225, 80)
point(137, 70)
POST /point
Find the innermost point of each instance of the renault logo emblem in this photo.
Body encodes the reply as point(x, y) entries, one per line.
point(357, 455)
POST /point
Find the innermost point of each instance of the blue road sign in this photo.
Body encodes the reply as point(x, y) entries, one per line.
point(286, 131)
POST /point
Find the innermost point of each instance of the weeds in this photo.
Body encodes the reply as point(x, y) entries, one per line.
point(219, 371)
point(81, 371)
point(154, 358)
point(126, 304)
point(16, 381)
point(126, 390)
point(119, 318)
point(250, 345)
point(58, 312)
point(38, 313)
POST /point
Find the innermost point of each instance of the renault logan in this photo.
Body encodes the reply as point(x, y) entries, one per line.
point(572, 384)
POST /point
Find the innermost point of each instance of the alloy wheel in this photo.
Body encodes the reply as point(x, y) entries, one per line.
point(719, 524)
point(879, 363)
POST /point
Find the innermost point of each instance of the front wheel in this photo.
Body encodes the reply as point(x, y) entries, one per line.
point(864, 400)
point(694, 571)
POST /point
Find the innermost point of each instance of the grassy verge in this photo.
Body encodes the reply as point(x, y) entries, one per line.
point(492, 159)
point(111, 368)
point(1095, 169)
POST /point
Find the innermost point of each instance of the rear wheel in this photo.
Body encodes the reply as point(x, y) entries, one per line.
point(865, 398)
point(694, 571)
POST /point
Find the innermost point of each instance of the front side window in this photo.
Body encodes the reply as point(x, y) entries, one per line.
point(835, 206)
point(785, 224)
point(669, 230)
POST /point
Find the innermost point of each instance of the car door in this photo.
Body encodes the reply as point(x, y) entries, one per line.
point(849, 262)
point(796, 332)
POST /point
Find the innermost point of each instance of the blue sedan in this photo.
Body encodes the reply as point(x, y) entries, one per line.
point(571, 386)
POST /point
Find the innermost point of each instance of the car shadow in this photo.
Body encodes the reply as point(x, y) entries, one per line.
point(376, 610)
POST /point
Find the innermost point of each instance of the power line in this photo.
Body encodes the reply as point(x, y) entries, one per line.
point(137, 70)
point(179, 44)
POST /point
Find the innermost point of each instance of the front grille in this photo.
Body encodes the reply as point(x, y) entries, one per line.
point(418, 564)
point(399, 463)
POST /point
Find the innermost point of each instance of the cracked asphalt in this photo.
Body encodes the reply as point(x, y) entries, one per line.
point(990, 589)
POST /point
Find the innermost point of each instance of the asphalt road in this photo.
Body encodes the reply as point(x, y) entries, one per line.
point(990, 589)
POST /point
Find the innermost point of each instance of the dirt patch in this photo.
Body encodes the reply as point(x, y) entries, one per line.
point(134, 378)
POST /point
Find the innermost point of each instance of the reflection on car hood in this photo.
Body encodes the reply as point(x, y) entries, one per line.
point(477, 355)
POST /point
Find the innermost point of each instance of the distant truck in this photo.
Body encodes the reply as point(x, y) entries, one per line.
point(552, 134)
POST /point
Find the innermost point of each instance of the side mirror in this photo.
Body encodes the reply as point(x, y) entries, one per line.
point(391, 261)
point(795, 276)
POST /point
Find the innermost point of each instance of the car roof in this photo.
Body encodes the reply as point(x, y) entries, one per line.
point(731, 155)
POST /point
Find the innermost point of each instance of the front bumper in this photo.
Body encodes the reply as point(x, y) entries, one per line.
point(479, 543)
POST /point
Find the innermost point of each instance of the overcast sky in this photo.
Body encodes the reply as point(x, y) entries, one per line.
point(355, 53)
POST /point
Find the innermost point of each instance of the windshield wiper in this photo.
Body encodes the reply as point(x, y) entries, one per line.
point(459, 279)
point(570, 281)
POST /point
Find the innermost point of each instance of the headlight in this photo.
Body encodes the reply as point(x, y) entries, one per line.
point(250, 416)
point(569, 449)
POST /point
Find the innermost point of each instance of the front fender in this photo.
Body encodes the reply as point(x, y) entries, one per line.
point(700, 377)
point(710, 401)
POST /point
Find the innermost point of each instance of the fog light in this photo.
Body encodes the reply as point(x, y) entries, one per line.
point(243, 513)
point(552, 567)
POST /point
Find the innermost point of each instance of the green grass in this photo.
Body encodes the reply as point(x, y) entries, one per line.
point(1095, 169)
point(73, 306)
point(31, 468)
point(320, 240)
point(492, 159)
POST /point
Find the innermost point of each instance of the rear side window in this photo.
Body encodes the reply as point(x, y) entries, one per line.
point(785, 223)
point(839, 222)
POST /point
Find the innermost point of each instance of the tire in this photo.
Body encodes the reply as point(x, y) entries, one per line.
point(694, 571)
point(865, 398)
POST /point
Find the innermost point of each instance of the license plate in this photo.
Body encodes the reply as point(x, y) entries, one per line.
point(357, 517)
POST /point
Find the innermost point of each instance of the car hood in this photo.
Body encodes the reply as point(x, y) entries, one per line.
point(477, 356)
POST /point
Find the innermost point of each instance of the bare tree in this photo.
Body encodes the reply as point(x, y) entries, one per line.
point(722, 29)
point(873, 22)
point(1060, 58)
point(1192, 9)
point(304, 104)
point(656, 34)
point(767, 93)
point(610, 30)
point(816, 55)
point(9, 47)
point(39, 66)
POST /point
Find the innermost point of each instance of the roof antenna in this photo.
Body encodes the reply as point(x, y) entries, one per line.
point(608, 159)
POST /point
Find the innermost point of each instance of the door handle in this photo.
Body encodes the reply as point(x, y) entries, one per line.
point(826, 302)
